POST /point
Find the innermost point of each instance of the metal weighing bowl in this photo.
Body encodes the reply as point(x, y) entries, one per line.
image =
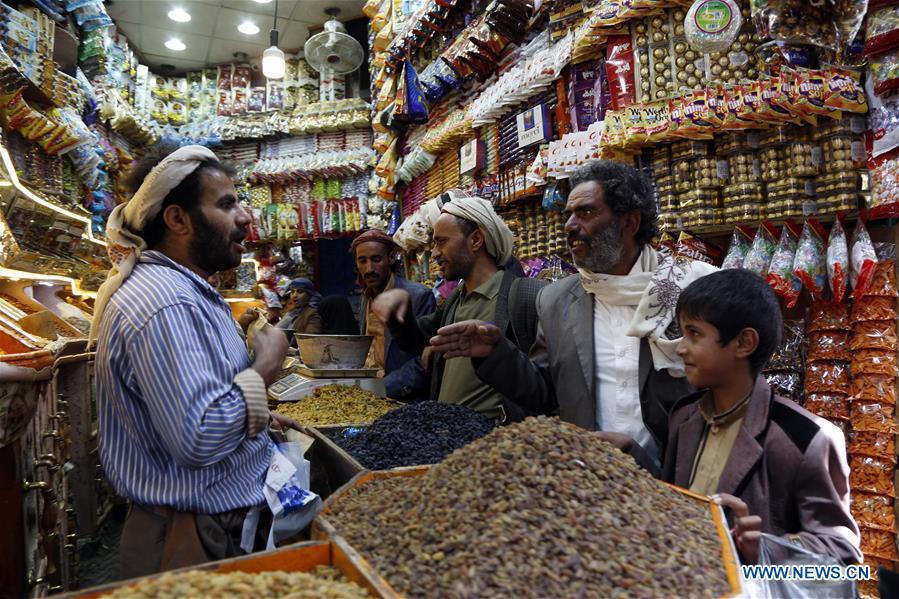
point(334, 352)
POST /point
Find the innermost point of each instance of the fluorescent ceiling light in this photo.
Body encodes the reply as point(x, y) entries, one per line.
point(176, 45)
point(179, 15)
point(248, 28)
point(262, 1)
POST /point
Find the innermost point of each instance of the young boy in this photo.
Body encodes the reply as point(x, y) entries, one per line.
point(778, 468)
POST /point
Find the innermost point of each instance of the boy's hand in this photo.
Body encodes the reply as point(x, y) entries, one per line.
point(619, 440)
point(747, 531)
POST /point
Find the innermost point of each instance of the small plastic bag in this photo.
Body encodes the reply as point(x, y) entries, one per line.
point(883, 281)
point(881, 543)
point(837, 261)
point(874, 361)
point(786, 384)
point(774, 550)
point(874, 334)
point(827, 377)
point(780, 273)
point(871, 475)
point(809, 265)
point(863, 260)
point(758, 259)
point(825, 346)
point(832, 407)
point(789, 355)
point(873, 308)
point(828, 316)
point(872, 416)
point(739, 248)
point(873, 511)
point(712, 25)
point(873, 443)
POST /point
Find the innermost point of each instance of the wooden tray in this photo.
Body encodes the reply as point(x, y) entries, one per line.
point(339, 466)
point(301, 557)
point(338, 373)
point(323, 529)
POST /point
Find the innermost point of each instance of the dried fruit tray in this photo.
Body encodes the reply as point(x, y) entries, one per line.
point(301, 557)
point(322, 529)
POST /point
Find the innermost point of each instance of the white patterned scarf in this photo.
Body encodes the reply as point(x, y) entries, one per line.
point(124, 244)
point(653, 287)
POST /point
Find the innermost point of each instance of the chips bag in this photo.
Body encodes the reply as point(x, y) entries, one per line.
point(780, 272)
point(863, 260)
point(810, 265)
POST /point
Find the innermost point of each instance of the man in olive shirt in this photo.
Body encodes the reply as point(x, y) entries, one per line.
point(471, 243)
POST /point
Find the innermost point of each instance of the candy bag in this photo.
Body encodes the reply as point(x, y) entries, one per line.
point(780, 272)
point(863, 260)
point(712, 25)
point(837, 261)
point(620, 71)
point(882, 33)
point(810, 265)
point(758, 259)
point(739, 247)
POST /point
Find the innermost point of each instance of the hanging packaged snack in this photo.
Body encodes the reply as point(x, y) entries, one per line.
point(871, 475)
point(763, 245)
point(712, 25)
point(882, 33)
point(883, 201)
point(884, 72)
point(843, 91)
point(694, 248)
point(874, 334)
point(862, 261)
point(837, 261)
point(827, 377)
point(786, 384)
point(879, 388)
point(873, 361)
point(832, 407)
point(740, 243)
point(873, 511)
point(810, 264)
point(883, 281)
point(790, 354)
point(780, 272)
point(881, 543)
point(619, 66)
point(824, 346)
point(872, 416)
point(873, 308)
point(872, 443)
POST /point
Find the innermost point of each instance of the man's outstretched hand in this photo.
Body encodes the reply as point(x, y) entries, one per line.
point(466, 339)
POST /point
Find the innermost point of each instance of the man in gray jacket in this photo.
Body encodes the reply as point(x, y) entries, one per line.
point(605, 352)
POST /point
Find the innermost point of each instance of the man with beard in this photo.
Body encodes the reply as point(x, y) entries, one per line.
point(183, 415)
point(470, 243)
point(605, 356)
point(377, 261)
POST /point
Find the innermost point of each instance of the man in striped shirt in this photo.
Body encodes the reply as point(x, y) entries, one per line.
point(183, 415)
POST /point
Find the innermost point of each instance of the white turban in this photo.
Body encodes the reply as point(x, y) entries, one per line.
point(124, 245)
point(480, 211)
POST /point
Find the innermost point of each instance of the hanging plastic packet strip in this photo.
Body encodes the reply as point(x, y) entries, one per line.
point(863, 260)
point(780, 273)
point(809, 265)
point(740, 244)
point(758, 259)
point(837, 261)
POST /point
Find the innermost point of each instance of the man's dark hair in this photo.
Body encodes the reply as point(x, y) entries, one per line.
point(466, 226)
point(732, 300)
point(186, 194)
point(624, 189)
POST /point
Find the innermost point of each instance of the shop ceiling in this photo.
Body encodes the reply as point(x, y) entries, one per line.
point(211, 36)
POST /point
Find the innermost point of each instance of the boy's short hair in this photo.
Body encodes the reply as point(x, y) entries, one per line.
point(732, 300)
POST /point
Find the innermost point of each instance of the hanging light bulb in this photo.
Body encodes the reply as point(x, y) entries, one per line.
point(273, 64)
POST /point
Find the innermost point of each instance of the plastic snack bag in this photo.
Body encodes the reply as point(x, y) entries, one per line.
point(832, 407)
point(837, 261)
point(883, 281)
point(810, 265)
point(873, 308)
point(758, 259)
point(863, 260)
point(780, 273)
point(712, 25)
point(827, 377)
point(740, 245)
point(825, 346)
